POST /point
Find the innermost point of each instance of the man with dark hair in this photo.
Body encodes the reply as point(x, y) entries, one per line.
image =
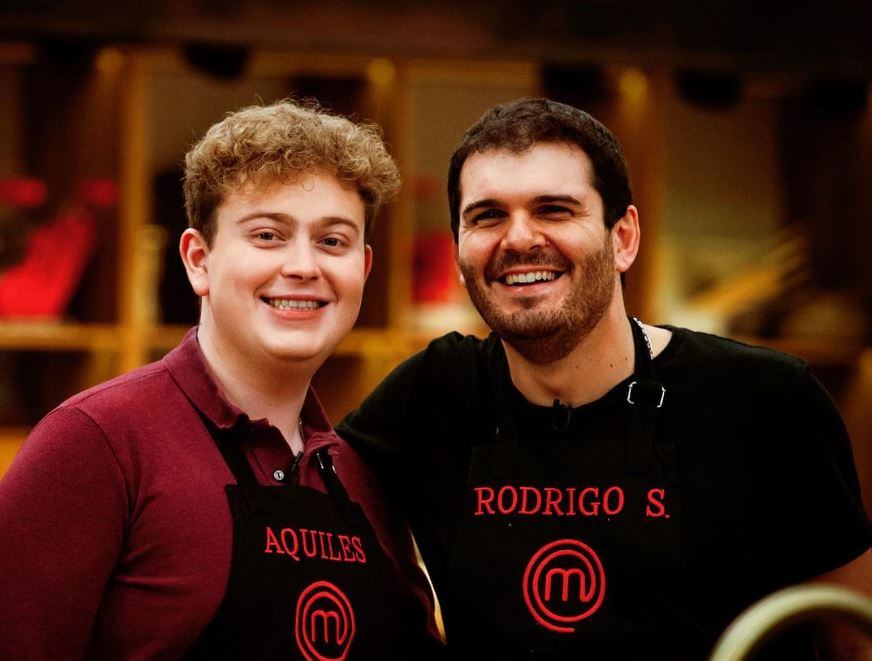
point(581, 484)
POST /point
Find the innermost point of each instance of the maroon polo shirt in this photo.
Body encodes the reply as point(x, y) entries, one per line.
point(115, 531)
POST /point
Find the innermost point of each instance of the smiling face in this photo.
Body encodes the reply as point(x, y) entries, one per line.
point(283, 278)
point(535, 255)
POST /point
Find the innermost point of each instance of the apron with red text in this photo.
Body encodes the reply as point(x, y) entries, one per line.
point(575, 549)
point(308, 579)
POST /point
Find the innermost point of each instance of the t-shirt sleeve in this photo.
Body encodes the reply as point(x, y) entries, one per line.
point(379, 428)
point(820, 523)
point(63, 510)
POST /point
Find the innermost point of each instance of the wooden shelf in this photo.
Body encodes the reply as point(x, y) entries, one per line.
point(380, 343)
point(63, 336)
point(57, 336)
point(362, 342)
point(165, 337)
point(11, 439)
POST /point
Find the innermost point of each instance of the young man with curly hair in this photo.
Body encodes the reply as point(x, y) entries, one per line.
point(202, 506)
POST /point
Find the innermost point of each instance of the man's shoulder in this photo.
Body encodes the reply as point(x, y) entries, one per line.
point(725, 357)
point(131, 384)
point(460, 348)
point(442, 379)
point(105, 421)
point(449, 357)
point(129, 396)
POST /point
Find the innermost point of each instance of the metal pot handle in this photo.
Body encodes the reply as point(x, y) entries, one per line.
point(786, 608)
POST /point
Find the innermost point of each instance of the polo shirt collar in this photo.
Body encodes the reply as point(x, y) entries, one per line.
point(188, 368)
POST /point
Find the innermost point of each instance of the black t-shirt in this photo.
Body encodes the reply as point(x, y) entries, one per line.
point(769, 489)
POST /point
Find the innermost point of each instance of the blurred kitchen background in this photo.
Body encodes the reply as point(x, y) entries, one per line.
point(747, 126)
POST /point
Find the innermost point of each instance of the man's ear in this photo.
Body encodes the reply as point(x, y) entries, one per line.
point(367, 261)
point(625, 236)
point(195, 256)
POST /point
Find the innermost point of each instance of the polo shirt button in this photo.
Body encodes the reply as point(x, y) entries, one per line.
point(279, 475)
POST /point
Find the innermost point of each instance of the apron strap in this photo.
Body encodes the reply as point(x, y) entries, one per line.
point(237, 462)
point(645, 395)
point(334, 485)
point(506, 454)
point(251, 489)
point(493, 397)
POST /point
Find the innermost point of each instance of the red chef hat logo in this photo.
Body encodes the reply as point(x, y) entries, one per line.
point(324, 625)
point(564, 583)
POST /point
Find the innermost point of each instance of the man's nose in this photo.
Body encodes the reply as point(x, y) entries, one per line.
point(522, 233)
point(300, 260)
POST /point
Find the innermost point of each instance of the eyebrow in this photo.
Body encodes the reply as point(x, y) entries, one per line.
point(564, 199)
point(289, 220)
point(541, 199)
point(480, 204)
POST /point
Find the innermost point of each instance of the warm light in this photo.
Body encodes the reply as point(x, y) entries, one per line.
point(109, 61)
point(633, 85)
point(381, 71)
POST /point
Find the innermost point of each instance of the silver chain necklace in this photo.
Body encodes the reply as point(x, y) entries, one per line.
point(645, 335)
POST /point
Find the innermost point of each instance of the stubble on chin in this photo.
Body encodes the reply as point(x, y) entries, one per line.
point(547, 335)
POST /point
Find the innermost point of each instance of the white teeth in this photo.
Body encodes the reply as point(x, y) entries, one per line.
point(524, 278)
point(286, 304)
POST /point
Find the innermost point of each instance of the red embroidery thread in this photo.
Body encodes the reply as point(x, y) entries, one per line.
point(564, 559)
point(320, 605)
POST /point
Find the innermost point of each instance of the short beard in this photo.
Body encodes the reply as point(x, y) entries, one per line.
point(544, 336)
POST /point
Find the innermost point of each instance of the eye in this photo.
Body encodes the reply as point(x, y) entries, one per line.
point(486, 217)
point(554, 210)
point(266, 237)
point(334, 242)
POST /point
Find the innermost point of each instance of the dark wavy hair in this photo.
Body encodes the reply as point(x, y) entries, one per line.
point(519, 125)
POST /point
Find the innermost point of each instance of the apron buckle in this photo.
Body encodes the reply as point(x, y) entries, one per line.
point(651, 390)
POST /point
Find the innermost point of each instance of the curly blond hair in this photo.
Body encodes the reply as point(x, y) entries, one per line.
point(277, 143)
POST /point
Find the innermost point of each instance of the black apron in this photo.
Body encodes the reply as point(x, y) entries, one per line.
point(308, 578)
point(575, 549)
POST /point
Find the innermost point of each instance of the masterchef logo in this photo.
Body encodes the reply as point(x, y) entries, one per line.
point(324, 627)
point(564, 583)
point(299, 543)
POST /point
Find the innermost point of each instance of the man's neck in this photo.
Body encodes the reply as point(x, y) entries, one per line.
point(601, 360)
point(266, 390)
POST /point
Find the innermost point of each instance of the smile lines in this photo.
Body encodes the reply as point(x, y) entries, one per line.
point(527, 278)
